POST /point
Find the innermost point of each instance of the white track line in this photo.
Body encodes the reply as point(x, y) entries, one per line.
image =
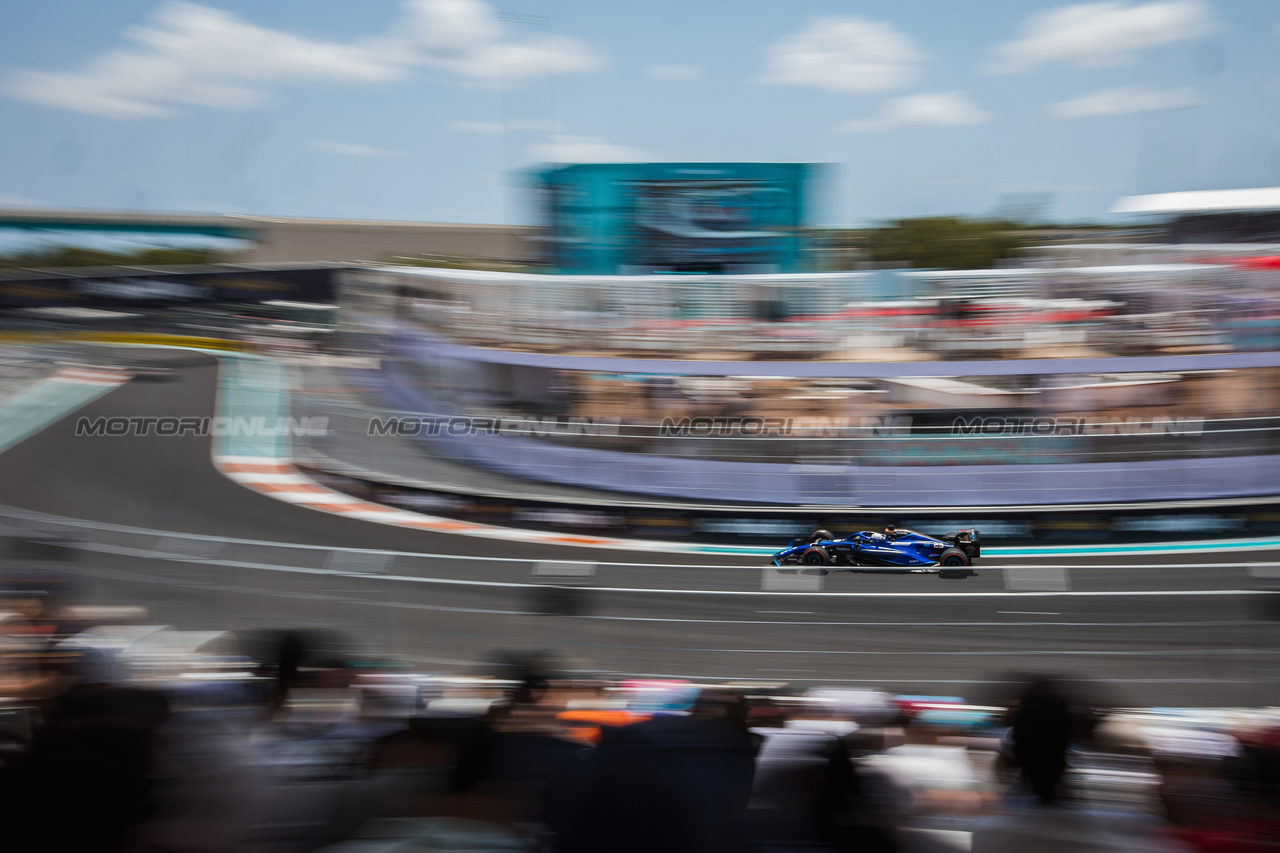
point(136, 577)
point(242, 564)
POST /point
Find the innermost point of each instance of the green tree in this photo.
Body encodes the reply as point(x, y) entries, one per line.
point(944, 242)
point(81, 256)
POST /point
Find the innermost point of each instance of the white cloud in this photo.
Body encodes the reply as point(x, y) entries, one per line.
point(930, 109)
point(674, 72)
point(467, 38)
point(191, 54)
point(1094, 35)
point(844, 54)
point(348, 150)
point(567, 148)
point(1124, 100)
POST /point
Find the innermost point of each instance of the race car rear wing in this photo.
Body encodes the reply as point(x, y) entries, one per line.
point(968, 540)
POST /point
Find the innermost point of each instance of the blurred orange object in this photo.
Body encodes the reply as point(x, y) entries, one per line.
point(586, 725)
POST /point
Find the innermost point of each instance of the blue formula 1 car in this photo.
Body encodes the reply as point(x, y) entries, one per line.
point(895, 550)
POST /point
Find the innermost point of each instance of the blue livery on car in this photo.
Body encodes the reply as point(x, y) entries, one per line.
point(895, 550)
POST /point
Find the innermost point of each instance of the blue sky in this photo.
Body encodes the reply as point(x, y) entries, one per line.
point(423, 109)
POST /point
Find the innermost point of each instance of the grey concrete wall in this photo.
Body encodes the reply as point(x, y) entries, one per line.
point(383, 242)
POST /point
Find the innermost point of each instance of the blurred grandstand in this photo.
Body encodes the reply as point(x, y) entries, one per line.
point(1083, 332)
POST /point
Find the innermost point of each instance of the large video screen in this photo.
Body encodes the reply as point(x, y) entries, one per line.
point(692, 223)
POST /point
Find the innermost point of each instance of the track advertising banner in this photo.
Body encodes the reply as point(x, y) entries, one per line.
point(776, 527)
point(694, 223)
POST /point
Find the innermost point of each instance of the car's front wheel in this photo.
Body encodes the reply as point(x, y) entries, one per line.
point(815, 560)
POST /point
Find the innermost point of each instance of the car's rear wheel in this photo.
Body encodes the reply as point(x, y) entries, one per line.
point(954, 564)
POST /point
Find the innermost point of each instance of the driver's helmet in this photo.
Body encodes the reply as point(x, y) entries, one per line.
point(819, 535)
point(878, 536)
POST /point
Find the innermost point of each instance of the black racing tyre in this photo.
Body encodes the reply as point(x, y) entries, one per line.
point(954, 558)
point(815, 556)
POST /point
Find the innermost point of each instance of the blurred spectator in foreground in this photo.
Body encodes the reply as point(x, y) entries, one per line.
point(506, 781)
point(809, 792)
point(263, 771)
point(84, 782)
point(1043, 725)
point(407, 798)
point(1040, 733)
point(522, 767)
point(678, 784)
point(1070, 830)
point(1221, 792)
point(210, 789)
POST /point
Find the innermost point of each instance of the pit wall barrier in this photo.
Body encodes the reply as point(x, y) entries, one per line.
point(770, 483)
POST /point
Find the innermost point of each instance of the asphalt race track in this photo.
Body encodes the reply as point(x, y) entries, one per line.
point(152, 522)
